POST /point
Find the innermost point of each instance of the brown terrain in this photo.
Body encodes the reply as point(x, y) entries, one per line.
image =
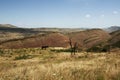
point(14, 37)
point(23, 58)
point(115, 38)
point(89, 38)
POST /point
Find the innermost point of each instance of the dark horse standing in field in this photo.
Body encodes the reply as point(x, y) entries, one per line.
point(44, 47)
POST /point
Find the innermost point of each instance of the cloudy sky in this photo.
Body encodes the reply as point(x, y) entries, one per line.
point(60, 13)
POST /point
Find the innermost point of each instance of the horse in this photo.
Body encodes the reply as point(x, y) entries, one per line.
point(44, 47)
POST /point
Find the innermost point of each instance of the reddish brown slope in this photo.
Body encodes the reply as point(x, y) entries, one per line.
point(115, 38)
point(89, 38)
point(52, 39)
point(86, 39)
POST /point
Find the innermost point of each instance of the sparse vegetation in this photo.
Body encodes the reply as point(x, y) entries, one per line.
point(38, 64)
point(45, 54)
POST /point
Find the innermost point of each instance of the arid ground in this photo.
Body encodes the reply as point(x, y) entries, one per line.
point(54, 64)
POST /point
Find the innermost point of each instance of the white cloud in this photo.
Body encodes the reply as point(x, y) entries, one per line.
point(115, 12)
point(88, 16)
point(102, 15)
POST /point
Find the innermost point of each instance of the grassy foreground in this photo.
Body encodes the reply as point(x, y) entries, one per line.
point(37, 64)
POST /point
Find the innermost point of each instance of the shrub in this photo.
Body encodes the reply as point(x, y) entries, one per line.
point(22, 57)
point(1, 52)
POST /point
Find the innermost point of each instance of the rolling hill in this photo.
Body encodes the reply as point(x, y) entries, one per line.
point(7, 26)
point(89, 38)
point(15, 37)
point(51, 39)
point(115, 38)
point(112, 29)
point(55, 39)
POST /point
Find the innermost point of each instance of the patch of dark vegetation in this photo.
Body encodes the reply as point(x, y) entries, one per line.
point(1, 52)
point(97, 49)
point(20, 57)
point(117, 44)
point(60, 50)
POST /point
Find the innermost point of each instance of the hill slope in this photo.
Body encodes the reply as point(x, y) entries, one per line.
point(57, 39)
point(89, 38)
point(51, 39)
point(113, 28)
point(7, 26)
point(115, 38)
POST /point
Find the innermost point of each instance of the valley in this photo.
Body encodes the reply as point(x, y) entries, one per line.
point(23, 55)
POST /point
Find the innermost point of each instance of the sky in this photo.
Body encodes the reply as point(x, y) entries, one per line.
point(60, 13)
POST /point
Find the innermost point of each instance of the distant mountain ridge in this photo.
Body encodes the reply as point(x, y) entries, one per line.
point(16, 37)
point(113, 28)
point(7, 26)
point(57, 39)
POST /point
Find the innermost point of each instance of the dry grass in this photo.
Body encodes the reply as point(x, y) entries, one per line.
point(47, 65)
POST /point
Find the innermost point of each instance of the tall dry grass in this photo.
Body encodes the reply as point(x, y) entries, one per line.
point(61, 66)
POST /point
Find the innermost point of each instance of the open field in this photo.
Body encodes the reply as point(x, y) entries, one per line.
point(37, 64)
